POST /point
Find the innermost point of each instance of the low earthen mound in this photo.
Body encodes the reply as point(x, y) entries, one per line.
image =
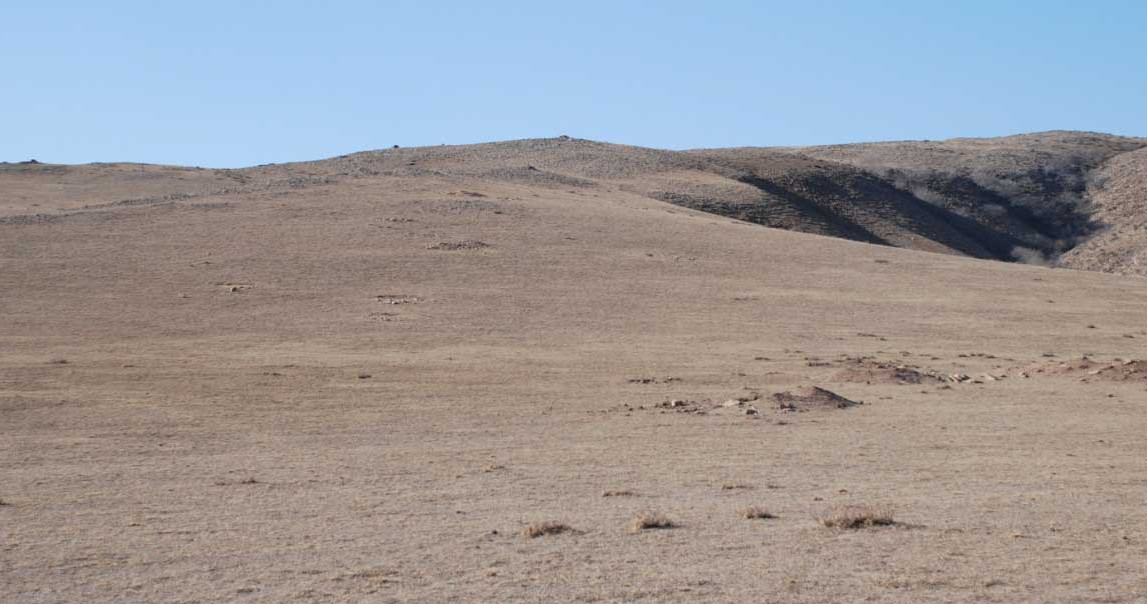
point(812, 398)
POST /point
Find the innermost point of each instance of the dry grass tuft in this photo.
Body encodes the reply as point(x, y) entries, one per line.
point(548, 527)
point(621, 493)
point(754, 512)
point(856, 517)
point(650, 520)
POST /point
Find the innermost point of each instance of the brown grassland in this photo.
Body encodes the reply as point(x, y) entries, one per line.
point(366, 379)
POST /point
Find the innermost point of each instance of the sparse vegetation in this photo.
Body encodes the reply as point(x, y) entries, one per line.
point(548, 527)
point(755, 512)
point(650, 520)
point(619, 493)
point(560, 350)
point(856, 517)
point(454, 246)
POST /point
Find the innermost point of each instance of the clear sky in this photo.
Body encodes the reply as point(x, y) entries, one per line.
point(229, 84)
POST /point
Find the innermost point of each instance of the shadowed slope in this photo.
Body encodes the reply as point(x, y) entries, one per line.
point(1118, 192)
point(1031, 189)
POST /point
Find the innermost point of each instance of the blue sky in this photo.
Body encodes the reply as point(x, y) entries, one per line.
point(229, 84)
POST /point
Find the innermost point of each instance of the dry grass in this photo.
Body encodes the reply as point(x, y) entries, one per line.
point(464, 382)
point(620, 493)
point(548, 527)
point(650, 520)
point(856, 517)
point(755, 512)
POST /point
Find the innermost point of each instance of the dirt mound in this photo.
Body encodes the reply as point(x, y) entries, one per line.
point(882, 372)
point(812, 398)
point(1119, 370)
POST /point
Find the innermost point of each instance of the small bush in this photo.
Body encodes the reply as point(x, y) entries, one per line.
point(621, 493)
point(856, 517)
point(650, 520)
point(754, 512)
point(549, 527)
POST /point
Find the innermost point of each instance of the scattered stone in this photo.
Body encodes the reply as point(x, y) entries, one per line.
point(397, 299)
point(1118, 370)
point(685, 406)
point(653, 380)
point(870, 371)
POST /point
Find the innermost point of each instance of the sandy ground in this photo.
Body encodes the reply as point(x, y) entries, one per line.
point(365, 391)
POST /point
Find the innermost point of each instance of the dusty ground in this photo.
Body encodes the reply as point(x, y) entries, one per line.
point(364, 390)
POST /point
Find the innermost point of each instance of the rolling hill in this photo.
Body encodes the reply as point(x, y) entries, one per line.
point(560, 370)
point(1057, 198)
